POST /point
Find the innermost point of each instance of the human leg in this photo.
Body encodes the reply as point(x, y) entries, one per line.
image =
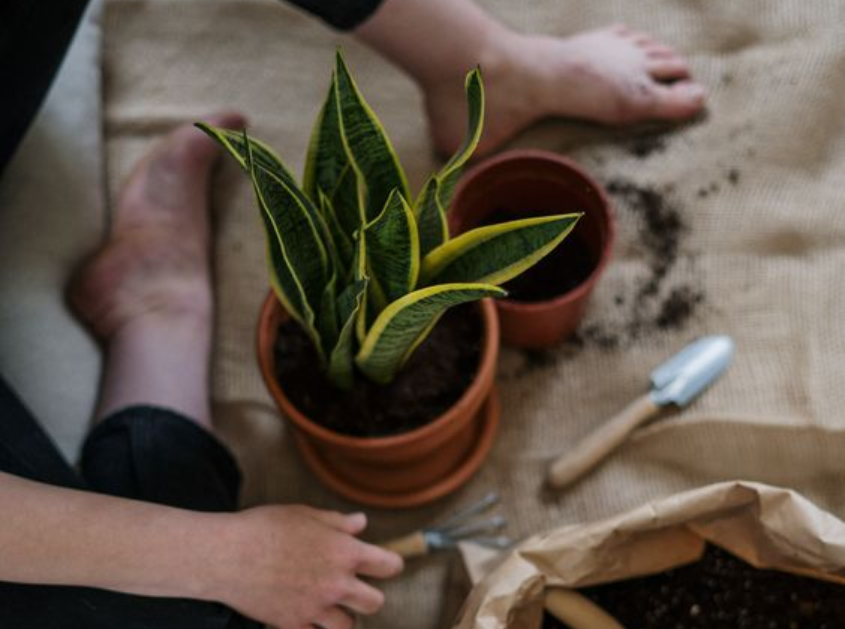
point(614, 75)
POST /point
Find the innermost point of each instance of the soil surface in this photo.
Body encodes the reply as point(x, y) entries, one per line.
point(720, 592)
point(435, 377)
point(565, 268)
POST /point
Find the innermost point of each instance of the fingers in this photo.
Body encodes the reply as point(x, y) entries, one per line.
point(378, 563)
point(677, 101)
point(363, 598)
point(352, 524)
point(335, 618)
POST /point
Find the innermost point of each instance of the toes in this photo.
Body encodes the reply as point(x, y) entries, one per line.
point(227, 120)
point(669, 69)
point(657, 50)
point(677, 101)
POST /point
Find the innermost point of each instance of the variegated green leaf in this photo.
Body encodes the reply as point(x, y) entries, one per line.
point(431, 220)
point(359, 263)
point(367, 145)
point(343, 245)
point(496, 253)
point(341, 360)
point(393, 251)
point(299, 240)
point(404, 324)
point(235, 145)
point(326, 319)
point(264, 158)
point(287, 289)
point(326, 159)
point(449, 174)
point(348, 203)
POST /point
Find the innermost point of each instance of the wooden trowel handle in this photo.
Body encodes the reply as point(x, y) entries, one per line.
point(592, 450)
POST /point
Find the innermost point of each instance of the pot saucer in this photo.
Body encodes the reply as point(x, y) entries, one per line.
point(489, 425)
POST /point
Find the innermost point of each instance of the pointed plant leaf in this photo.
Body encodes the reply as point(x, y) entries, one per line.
point(326, 159)
point(367, 145)
point(288, 291)
point(235, 145)
point(283, 280)
point(496, 253)
point(299, 240)
point(359, 263)
point(326, 319)
point(347, 202)
point(264, 158)
point(341, 360)
point(449, 174)
point(342, 243)
point(431, 219)
point(404, 324)
point(393, 250)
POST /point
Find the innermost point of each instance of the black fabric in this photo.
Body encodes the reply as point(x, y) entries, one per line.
point(143, 453)
point(34, 36)
point(344, 15)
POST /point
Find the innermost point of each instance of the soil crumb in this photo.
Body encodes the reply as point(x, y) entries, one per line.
point(645, 145)
point(435, 377)
point(655, 302)
point(720, 591)
point(655, 305)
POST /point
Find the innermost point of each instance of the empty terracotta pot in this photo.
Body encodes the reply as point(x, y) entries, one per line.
point(403, 470)
point(547, 303)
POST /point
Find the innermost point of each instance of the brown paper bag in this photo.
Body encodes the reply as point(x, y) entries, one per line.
point(768, 527)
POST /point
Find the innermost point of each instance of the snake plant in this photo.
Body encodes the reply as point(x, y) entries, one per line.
point(366, 269)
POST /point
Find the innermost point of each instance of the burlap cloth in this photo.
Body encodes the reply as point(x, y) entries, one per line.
point(759, 182)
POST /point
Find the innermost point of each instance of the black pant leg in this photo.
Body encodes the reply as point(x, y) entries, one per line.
point(344, 15)
point(26, 450)
point(156, 455)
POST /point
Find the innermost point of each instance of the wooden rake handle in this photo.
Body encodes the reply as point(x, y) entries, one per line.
point(571, 466)
point(408, 546)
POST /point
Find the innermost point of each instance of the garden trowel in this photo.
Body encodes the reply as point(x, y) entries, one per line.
point(675, 383)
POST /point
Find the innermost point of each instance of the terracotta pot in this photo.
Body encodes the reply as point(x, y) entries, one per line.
point(535, 183)
point(403, 470)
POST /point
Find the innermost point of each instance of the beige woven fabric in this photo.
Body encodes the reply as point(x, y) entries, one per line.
point(758, 183)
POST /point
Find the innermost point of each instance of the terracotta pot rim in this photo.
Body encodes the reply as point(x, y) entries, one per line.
point(478, 388)
point(490, 416)
point(609, 214)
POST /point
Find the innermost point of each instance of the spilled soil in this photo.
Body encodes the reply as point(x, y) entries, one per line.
point(655, 301)
point(659, 299)
point(720, 591)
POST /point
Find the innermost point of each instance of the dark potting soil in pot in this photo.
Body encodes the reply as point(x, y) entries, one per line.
point(564, 269)
point(720, 592)
point(435, 377)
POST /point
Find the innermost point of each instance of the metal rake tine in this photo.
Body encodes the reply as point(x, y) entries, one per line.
point(500, 542)
point(467, 512)
point(490, 525)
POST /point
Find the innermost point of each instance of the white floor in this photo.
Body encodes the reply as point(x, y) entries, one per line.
point(53, 212)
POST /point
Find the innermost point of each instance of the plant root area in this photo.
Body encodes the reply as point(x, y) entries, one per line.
point(434, 378)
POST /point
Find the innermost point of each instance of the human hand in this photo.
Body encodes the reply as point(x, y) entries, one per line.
point(293, 567)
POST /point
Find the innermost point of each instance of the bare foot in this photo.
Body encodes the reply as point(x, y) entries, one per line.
point(612, 75)
point(147, 292)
